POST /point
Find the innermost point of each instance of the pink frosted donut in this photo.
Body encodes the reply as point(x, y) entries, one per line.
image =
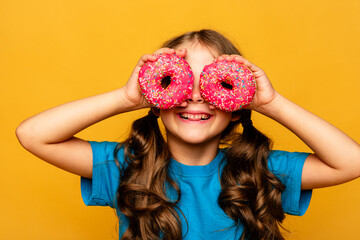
point(170, 70)
point(228, 85)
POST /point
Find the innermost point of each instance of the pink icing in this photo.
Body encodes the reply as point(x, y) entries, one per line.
point(231, 72)
point(180, 87)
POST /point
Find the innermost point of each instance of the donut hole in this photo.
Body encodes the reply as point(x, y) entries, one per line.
point(226, 85)
point(165, 82)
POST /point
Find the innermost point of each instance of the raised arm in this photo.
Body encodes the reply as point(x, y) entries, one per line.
point(50, 134)
point(336, 157)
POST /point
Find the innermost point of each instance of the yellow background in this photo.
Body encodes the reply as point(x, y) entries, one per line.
point(52, 52)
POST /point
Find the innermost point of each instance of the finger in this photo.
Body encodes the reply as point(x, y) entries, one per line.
point(229, 58)
point(143, 59)
point(222, 57)
point(226, 57)
point(153, 57)
point(240, 59)
point(247, 63)
point(181, 52)
point(169, 51)
point(147, 57)
point(165, 50)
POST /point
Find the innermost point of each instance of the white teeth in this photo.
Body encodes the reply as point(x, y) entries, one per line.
point(203, 116)
point(195, 116)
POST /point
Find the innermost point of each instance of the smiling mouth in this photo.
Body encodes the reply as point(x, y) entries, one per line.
point(194, 117)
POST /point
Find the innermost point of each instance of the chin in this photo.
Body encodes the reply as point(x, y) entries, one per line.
point(195, 141)
point(198, 139)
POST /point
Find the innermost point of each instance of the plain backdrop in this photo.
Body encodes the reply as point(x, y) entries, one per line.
point(53, 52)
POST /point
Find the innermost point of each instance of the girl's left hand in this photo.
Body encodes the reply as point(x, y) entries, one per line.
point(265, 93)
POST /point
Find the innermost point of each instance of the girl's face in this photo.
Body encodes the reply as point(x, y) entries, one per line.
point(195, 121)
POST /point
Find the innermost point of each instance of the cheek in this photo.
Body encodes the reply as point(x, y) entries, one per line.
point(166, 116)
point(225, 116)
point(223, 120)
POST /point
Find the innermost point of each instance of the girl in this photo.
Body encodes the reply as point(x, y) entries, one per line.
point(187, 187)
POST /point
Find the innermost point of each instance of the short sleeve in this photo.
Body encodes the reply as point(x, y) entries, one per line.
point(288, 166)
point(101, 189)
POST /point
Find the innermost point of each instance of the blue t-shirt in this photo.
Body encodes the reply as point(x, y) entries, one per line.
point(200, 188)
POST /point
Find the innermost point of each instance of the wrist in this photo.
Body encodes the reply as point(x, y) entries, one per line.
point(272, 108)
point(124, 101)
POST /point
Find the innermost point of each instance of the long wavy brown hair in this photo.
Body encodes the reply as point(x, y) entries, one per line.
point(251, 194)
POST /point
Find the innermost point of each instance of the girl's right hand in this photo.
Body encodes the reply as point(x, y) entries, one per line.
point(49, 135)
point(131, 89)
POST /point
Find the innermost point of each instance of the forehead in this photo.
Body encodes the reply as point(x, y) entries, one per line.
point(197, 50)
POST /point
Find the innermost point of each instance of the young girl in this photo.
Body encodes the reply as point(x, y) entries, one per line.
point(187, 187)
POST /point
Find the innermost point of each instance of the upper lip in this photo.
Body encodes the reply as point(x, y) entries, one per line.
point(194, 112)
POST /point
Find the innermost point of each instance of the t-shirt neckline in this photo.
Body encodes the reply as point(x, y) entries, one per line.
point(181, 169)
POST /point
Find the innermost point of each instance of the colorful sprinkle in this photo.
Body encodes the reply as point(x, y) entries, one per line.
point(179, 89)
point(233, 73)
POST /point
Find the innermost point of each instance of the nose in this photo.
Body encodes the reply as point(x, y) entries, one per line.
point(196, 95)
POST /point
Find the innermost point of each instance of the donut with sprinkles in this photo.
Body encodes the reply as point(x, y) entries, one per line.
point(228, 85)
point(166, 82)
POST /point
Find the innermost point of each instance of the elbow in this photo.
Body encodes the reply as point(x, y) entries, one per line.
point(23, 135)
point(19, 133)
